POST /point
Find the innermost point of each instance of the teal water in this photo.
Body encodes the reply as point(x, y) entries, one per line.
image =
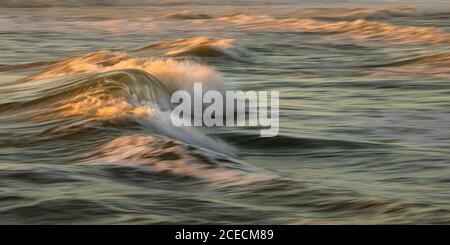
point(364, 113)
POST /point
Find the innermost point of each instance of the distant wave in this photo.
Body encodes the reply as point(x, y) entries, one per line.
point(27, 66)
point(440, 58)
point(71, 3)
point(200, 47)
point(357, 29)
point(187, 15)
point(435, 65)
point(52, 3)
point(319, 13)
point(372, 13)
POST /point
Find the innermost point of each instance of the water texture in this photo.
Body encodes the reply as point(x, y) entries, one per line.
point(86, 136)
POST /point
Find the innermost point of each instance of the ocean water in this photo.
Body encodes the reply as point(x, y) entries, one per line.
point(364, 112)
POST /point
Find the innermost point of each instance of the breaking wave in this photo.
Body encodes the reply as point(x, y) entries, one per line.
point(116, 88)
point(173, 73)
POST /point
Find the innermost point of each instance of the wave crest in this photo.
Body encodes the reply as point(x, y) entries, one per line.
point(200, 47)
point(174, 74)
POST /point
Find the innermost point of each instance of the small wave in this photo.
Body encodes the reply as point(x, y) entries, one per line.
point(390, 11)
point(187, 15)
point(200, 47)
point(429, 59)
point(286, 144)
point(28, 66)
point(357, 29)
point(66, 3)
point(434, 65)
point(371, 13)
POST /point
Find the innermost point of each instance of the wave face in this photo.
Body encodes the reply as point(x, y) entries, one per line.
point(86, 134)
